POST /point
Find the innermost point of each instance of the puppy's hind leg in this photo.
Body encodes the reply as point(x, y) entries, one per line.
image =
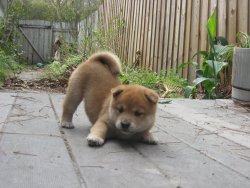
point(70, 104)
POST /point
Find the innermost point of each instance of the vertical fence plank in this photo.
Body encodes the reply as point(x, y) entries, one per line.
point(242, 16)
point(131, 40)
point(203, 42)
point(112, 23)
point(157, 36)
point(171, 36)
point(136, 32)
point(122, 34)
point(161, 37)
point(213, 6)
point(119, 15)
point(194, 37)
point(114, 5)
point(127, 28)
point(231, 22)
point(222, 17)
point(166, 35)
point(137, 52)
point(143, 32)
point(176, 34)
point(248, 18)
point(187, 38)
point(182, 35)
point(150, 27)
point(105, 18)
point(153, 35)
point(146, 33)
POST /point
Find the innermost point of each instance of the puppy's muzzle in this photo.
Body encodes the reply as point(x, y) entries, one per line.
point(125, 125)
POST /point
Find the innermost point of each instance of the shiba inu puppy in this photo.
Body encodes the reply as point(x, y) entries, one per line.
point(115, 110)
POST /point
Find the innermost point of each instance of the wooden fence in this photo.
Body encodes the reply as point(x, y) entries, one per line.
point(154, 34)
point(162, 34)
point(38, 36)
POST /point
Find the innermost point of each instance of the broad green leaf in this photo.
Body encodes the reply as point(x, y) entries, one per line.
point(199, 73)
point(201, 79)
point(211, 26)
point(217, 66)
point(203, 53)
point(207, 71)
point(224, 53)
point(195, 64)
point(209, 85)
point(188, 63)
point(221, 40)
point(183, 65)
point(189, 90)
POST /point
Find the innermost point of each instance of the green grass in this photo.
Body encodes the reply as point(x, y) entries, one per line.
point(169, 85)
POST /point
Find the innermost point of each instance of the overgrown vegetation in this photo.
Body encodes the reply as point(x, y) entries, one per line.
point(62, 70)
point(95, 39)
point(215, 61)
point(212, 75)
point(54, 10)
point(70, 11)
point(170, 85)
point(9, 54)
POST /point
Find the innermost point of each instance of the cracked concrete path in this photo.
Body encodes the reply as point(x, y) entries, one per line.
point(203, 143)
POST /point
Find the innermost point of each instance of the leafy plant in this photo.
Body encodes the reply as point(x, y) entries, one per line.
point(243, 39)
point(8, 66)
point(214, 61)
point(62, 70)
point(8, 47)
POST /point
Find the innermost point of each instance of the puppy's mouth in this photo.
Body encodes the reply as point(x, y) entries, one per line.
point(126, 132)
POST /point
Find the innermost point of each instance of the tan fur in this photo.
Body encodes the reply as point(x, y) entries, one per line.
point(115, 110)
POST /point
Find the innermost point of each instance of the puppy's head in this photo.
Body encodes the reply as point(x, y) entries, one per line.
point(133, 108)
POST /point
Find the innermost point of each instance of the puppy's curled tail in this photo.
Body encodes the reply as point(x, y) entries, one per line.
point(109, 59)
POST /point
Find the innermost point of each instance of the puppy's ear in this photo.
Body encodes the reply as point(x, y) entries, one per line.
point(117, 91)
point(151, 95)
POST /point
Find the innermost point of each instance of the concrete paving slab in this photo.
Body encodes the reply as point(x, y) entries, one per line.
point(35, 161)
point(184, 109)
point(195, 150)
point(32, 114)
point(116, 164)
point(222, 150)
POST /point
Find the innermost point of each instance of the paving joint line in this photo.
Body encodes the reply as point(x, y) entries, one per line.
point(8, 116)
point(203, 153)
point(166, 176)
point(81, 179)
point(31, 134)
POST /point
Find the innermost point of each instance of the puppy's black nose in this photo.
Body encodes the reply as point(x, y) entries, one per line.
point(125, 125)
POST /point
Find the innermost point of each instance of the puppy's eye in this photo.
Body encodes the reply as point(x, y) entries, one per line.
point(120, 109)
point(137, 113)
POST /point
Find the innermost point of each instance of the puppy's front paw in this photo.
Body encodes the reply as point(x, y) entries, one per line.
point(94, 140)
point(67, 125)
point(149, 139)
